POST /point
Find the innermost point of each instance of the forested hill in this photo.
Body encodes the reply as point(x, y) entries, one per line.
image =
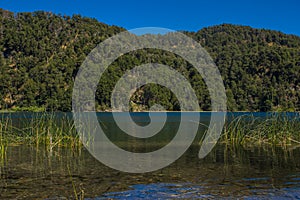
point(41, 53)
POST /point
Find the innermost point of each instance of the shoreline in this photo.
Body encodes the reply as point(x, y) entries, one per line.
point(107, 111)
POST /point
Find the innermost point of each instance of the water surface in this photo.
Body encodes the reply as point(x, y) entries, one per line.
point(31, 172)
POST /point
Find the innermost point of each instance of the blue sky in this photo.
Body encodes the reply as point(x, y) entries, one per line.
point(190, 15)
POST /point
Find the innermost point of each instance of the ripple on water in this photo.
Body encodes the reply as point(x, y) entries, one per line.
point(159, 191)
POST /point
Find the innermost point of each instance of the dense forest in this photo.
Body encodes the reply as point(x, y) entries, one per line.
point(41, 53)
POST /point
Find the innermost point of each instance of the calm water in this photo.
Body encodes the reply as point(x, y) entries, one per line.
point(28, 172)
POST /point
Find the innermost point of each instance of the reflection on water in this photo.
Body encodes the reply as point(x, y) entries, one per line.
point(29, 172)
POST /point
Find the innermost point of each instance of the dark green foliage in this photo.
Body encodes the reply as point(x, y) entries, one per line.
point(41, 53)
point(260, 68)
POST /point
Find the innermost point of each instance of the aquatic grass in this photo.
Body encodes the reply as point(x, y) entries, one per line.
point(276, 129)
point(78, 195)
point(49, 129)
point(7, 131)
point(5, 128)
point(58, 129)
point(2, 154)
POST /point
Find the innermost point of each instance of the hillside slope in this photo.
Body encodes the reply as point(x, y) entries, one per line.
point(41, 53)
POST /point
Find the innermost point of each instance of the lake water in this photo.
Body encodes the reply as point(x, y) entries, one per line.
point(30, 172)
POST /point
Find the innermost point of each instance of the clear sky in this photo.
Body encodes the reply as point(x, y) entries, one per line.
point(190, 15)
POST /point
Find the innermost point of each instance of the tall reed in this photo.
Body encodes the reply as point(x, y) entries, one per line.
point(49, 129)
point(277, 129)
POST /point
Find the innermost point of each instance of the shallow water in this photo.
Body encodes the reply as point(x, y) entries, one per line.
point(30, 172)
point(35, 173)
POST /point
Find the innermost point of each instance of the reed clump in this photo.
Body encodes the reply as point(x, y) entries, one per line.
point(49, 129)
point(277, 129)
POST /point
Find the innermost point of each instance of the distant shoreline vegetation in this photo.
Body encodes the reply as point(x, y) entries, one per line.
point(33, 109)
point(41, 53)
point(43, 110)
